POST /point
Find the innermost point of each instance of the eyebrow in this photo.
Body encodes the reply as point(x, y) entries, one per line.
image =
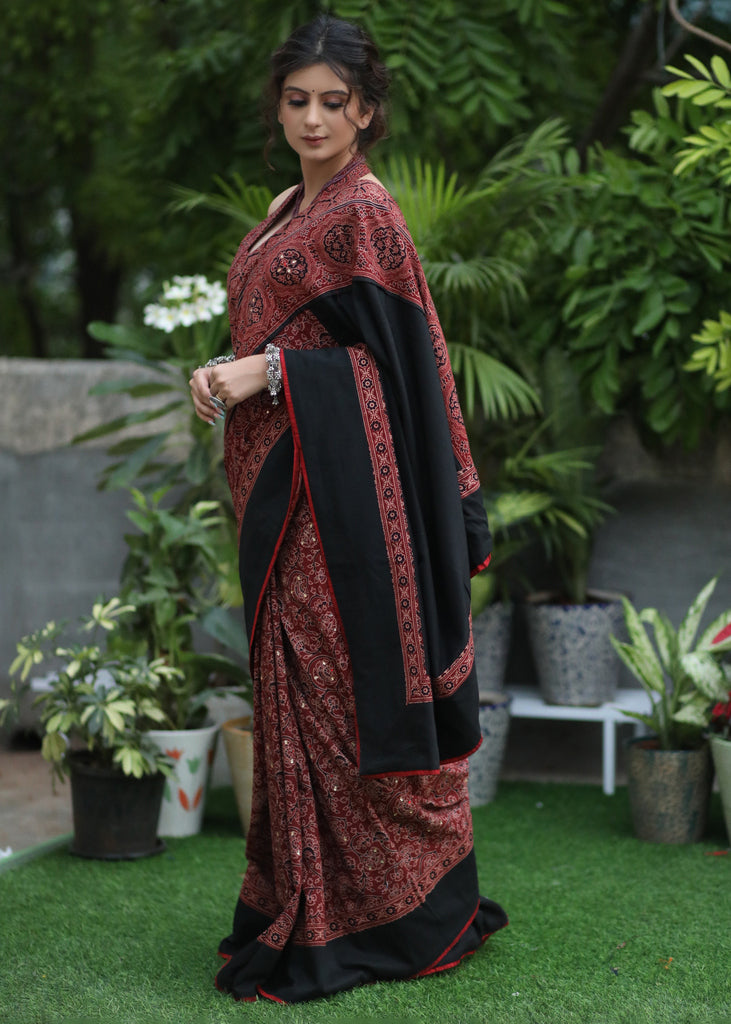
point(325, 92)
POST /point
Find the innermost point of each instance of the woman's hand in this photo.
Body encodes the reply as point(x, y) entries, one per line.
point(230, 383)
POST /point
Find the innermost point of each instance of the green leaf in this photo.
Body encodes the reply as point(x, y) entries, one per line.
point(707, 675)
point(698, 65)
point(129, 420)
point(689, 625)
point(691, 714)
point(134, 389)
point(720, 70)
point(665, 637)
point(130, 469)
point(644, 667)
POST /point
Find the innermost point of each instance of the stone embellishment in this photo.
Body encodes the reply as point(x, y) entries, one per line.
point(289, 267)
point(338, 243)
point(255, 308)
point(389, 247)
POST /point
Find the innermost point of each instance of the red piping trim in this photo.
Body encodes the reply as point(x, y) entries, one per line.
point(267, 995)
point(300, 460)
point(461, 757)
point(453, 943)
point(393, 775)
point(277, 546)
point(483, 565)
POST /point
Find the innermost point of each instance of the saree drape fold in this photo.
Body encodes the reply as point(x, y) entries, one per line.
point(360, 524)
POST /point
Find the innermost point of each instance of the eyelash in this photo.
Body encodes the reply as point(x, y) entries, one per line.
point(334, 105)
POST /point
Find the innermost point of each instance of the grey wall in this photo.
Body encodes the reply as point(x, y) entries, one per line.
point(61, 540)
point(672, 530)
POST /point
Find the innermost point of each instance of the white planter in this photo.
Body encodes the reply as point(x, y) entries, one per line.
point(487, 761)
point(184, 797)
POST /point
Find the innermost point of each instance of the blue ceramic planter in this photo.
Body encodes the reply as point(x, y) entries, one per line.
point(573, 655)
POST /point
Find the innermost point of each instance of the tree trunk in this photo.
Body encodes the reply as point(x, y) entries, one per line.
point(98, 281)
point(22, 276)
point(637, 56)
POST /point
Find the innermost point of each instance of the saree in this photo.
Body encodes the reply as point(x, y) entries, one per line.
point(360, 523)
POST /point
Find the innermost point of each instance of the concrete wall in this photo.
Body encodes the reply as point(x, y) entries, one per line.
point(61, 540)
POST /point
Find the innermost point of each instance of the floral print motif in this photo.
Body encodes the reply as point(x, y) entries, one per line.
point(289, 267)
point(389, 247)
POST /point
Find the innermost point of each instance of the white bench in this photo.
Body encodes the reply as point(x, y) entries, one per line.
point(528, 703)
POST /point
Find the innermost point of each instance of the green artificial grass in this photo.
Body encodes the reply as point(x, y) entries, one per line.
point(604, 929)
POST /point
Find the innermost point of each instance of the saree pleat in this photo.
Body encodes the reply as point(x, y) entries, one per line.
point(336, 861)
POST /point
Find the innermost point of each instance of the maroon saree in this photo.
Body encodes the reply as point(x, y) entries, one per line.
point(360, 523)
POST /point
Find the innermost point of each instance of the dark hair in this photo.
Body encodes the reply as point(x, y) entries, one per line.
point(350, 53)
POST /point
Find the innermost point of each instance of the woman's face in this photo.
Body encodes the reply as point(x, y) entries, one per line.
point(320, 122)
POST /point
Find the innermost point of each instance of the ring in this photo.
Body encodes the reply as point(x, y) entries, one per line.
point(219, 403)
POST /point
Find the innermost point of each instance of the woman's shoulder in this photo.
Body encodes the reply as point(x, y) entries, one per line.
point(281, 199)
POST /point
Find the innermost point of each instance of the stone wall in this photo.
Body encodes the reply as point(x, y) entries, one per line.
point(61, 539)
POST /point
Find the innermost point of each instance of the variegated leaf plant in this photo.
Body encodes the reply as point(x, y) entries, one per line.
point(682, 673)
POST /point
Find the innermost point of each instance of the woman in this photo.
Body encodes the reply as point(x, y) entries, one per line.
point(360, 521)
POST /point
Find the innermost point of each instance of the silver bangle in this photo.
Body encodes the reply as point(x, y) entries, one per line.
point(274, 372)
point(218, 360)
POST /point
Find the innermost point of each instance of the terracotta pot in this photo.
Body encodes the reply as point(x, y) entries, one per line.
point(573, 655)
point(238, 739)
point(721, 752)
point(669, 791)
point(491, 632)
point(487, 761)
point(221, 707)
point(184, 795)
point(115, 815)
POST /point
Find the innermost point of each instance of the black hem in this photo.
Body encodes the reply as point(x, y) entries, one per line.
point(451, 923)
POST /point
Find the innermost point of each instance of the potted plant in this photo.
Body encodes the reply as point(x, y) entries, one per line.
point(95, 707)
point(569, 626)
point(170, 577)
point(669, 771)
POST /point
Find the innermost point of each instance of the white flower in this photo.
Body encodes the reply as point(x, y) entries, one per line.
point(185, 301)
point(186, 314)
point(166, 319)
point(202, 309)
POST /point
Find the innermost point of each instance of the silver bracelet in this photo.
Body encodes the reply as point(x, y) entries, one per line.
point(218, 360)
point(274, 372)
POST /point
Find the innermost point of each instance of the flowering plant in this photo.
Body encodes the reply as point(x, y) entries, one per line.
point(184, 302)
point(721, 718)
point(185, 327)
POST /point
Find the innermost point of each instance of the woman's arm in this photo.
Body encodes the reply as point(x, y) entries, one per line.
point(230, 382)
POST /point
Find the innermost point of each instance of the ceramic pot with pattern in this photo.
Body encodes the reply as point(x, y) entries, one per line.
point(573, 655)
point(491, 632)
point(184, 795)
point(669, 791)
point(486, 763)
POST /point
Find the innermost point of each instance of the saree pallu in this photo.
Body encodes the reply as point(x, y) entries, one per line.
point(360, 523)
